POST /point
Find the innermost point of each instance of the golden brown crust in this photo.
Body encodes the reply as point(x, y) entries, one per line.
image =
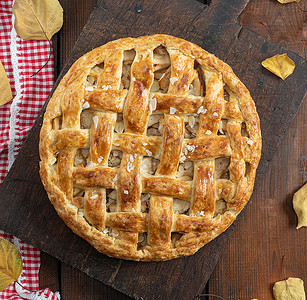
point(128, 83)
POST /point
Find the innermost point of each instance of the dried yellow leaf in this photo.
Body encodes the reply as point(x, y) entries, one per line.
point(37, 19)
point(10, 264)
point(300, 206)
point(290, 289)
point(287, 1)
point(280, 65)
point(5, 88)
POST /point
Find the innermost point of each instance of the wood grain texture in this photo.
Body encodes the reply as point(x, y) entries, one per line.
point(266, 231)
point(49, 273)
point(216, 30)
point(282, 24)
point(76, 14)
point(77, 285)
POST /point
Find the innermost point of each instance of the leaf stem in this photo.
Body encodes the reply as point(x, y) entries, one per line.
point(45, 34)
point(25, 287)
point(47, 59)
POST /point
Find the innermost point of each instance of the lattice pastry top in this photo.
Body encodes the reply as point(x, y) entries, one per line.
point(149, 147)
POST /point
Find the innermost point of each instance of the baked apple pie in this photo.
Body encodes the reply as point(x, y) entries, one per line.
point(149, 147)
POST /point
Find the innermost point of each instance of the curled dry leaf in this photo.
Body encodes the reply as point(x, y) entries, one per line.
point(300, 206)
point(10, 263)
point(280, 65)
point(290, 289)
point(37, 19)
point(287, 1)
point(5, 88)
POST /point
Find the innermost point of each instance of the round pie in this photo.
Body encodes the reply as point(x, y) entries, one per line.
point(149, 147)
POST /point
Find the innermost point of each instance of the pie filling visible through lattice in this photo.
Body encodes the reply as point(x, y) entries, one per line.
point(149, 147)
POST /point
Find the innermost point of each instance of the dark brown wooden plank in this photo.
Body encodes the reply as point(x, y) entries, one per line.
point(77, 285)
point(214, 29)
point(266, 231)
point(76, 14)
point(49, 268)
point(73, 282)
point(282, 24)
point(49, 273)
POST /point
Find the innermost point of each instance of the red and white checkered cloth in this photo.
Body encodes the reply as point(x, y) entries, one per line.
point(22, 58)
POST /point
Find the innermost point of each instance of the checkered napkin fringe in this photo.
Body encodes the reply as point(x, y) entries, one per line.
point(22, 58)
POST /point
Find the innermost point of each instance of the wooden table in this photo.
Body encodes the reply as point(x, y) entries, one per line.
point(252, 261)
